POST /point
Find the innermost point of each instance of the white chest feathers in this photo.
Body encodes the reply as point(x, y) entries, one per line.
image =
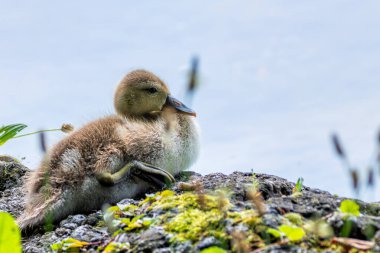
point(173, 147)
point(181, 148)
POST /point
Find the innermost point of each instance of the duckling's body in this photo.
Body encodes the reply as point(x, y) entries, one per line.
point(68, 180)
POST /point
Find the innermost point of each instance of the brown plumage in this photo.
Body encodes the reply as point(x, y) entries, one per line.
point(150, 127)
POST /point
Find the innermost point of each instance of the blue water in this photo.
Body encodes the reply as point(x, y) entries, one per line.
point(276, 77)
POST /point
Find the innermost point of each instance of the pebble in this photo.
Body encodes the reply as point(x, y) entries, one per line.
point(87, 233)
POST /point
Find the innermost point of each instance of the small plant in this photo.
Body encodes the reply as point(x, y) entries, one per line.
point(10, 131)
point(68, 244)
point(299, 184)
point(293, 233)
point(213, 249)
point(255, 182)
point(193, 83)
point(353, 171)
point(240, 243)
point(349, 208)
point(274, 232)
point(255, 196)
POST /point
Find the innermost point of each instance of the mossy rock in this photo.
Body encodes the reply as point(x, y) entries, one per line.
point(11, 173)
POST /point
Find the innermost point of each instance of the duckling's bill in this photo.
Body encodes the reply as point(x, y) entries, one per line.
point(179, 106)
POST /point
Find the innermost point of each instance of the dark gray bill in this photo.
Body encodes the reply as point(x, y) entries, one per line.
point(179, 106)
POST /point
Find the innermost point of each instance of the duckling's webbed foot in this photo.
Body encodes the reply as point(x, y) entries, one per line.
point(154, 175)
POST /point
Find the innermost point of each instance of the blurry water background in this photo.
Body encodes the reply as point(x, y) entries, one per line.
point(277, 77)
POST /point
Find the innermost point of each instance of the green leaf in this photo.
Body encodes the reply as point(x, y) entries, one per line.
point(10, 131)
point(70, 244)
point(349, 207)
point(292, 233)
point(347, 227)
point(10, 235)
point(136, 222)
point(274, 232)
point(213, 249)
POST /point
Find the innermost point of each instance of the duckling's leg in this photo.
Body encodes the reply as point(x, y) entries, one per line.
point(141, 170)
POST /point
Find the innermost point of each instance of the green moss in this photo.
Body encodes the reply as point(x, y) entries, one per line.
point(168, 201)
point(373, 209)
point(193, 224)
point(294, 218)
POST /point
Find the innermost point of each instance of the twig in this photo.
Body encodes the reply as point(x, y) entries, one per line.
point(283, 242)
point(353, 243)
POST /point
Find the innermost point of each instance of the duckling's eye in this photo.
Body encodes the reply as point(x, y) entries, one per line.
point(151, 90)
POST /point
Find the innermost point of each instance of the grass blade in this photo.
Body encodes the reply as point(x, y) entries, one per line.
point(338, 146)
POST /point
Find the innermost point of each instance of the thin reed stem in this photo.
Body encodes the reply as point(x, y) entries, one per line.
point(37, 132)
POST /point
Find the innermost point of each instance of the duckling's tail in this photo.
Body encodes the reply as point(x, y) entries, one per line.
point(41, 210)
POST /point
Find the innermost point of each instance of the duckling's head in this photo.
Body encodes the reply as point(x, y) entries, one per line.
point(142, 93)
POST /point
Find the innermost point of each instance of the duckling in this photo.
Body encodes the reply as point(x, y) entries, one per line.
point(152, 137)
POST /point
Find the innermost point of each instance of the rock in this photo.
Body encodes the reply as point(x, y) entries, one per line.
point(11, 173)
point(87, 233)
point(151, 239)
point(94, 218)
point(309, 204)
point(271, 220)
point(62, 232)
point(11, 178)
point(377, 238)
point(78, 219)
point(73, 221)
point(277, 193)
point(12, 201)
point(40, 243)
point(163, 250)
point(70, 226)
point(361, 227)
point(270, 186)
point(184, 247)
point(286, 249)
point(126, 202)
point(208, 242)
point(369, 208)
